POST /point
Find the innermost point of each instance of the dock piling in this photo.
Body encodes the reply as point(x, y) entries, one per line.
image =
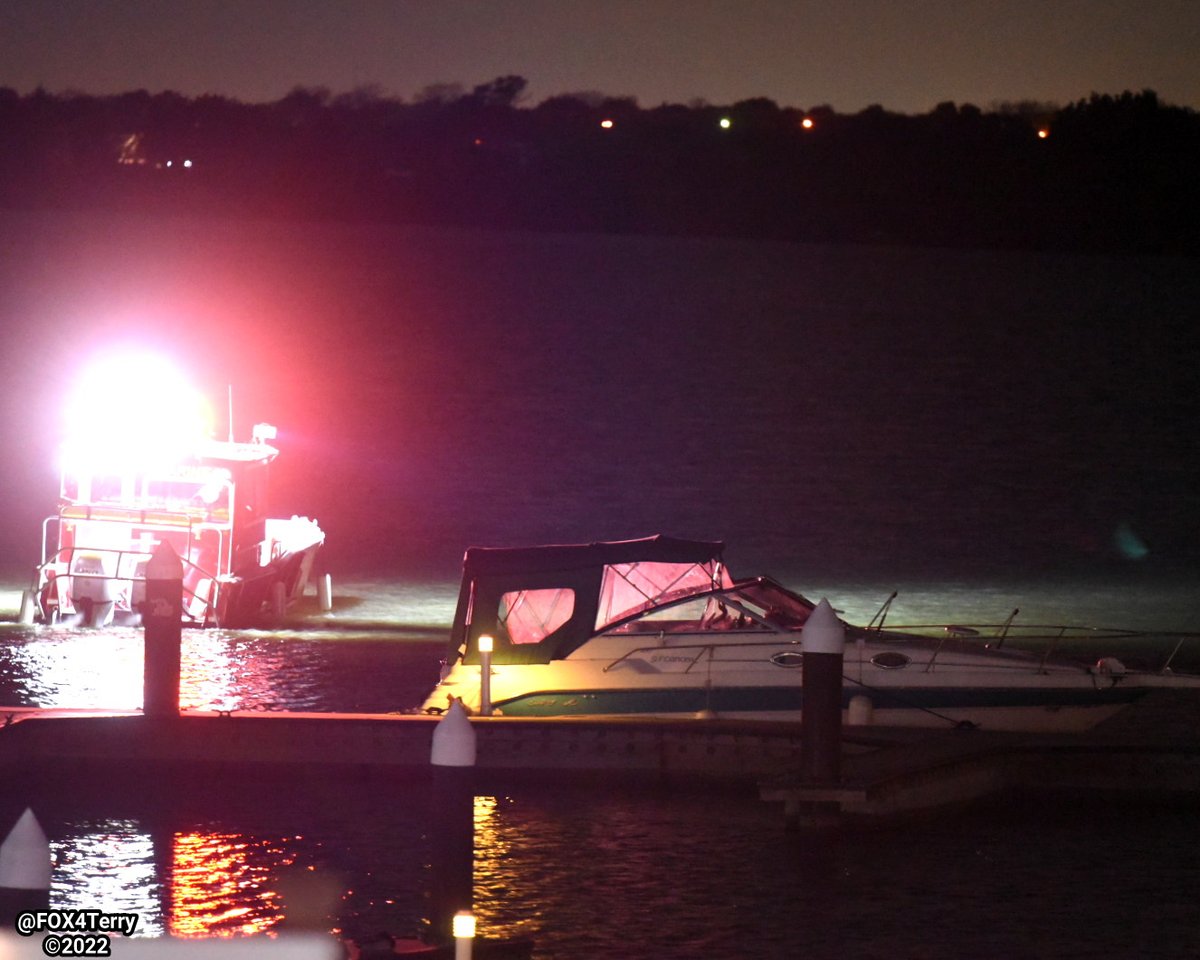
point(25, 868)
point(163, 621)
point(452, 821)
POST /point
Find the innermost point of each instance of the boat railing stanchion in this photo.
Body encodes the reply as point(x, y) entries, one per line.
point(1166, 667)
point(1000, 637)
point(1050, 649)
point(938, 649)
point(485, 674)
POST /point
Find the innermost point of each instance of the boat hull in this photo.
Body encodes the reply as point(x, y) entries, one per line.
point(1000, 691)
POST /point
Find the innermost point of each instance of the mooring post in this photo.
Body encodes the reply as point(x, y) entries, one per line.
point(162, 617)
point(25, 868)
point(823, 641)
point(452, 821)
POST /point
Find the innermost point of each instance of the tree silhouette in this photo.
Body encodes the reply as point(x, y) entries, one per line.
point(1115, 171)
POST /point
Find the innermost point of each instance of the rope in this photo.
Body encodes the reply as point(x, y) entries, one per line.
point(958, 724)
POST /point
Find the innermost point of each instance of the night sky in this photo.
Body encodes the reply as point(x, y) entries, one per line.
point(906, 55)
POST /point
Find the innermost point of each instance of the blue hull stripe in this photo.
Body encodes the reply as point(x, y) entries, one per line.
point(552, 703)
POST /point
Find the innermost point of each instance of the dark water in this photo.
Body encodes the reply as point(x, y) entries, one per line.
point(650, 874)
point(982, 431)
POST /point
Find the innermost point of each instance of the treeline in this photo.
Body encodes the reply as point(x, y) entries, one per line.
point(1106, 173)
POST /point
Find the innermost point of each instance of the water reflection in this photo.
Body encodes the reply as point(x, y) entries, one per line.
point(649, 874)
point(184, 883)
point(498, 874)
point(219, 670)
point(76, 668)
point(222, 884)
point(110, 865)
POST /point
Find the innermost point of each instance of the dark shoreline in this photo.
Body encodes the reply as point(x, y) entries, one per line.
point(1104, 175)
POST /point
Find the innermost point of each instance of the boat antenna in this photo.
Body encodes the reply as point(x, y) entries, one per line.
point(229, 392)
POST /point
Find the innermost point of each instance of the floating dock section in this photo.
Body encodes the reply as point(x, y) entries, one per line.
point(1152, 748)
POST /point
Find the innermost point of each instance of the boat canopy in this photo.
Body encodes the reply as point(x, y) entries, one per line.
point(541, 603)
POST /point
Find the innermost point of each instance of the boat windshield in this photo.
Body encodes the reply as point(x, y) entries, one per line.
point(204, 490)
point(628, 588)
point(758, 604)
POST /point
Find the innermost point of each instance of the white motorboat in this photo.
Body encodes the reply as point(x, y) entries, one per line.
point(658, 627)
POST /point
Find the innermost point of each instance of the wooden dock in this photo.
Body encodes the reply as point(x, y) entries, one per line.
point(351, 744)
point(1152, 748)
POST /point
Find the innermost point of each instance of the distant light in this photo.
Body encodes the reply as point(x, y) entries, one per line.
point(725, 123)
point(464, 925)
point(1043, 133)
point(485, 643)
point(807, 123)
point(607, 124)
point(479, 141)
point(169, 162)
point(188, 164)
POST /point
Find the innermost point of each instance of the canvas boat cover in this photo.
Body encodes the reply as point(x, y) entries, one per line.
point(540, 603)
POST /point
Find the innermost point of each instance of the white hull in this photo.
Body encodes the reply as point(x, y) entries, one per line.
point(999, 690)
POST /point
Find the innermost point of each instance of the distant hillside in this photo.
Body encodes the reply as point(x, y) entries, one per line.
point(1110, 173)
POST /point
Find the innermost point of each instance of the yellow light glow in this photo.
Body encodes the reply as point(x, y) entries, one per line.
point(1043, 133)
point(486, 643)
point(726, 123)
point(606, 124)
point(464, 925)
point(807, 123)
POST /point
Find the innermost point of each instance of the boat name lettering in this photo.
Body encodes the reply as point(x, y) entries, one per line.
point(667, 658)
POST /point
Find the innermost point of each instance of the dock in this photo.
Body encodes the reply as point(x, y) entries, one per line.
point(1153, 748)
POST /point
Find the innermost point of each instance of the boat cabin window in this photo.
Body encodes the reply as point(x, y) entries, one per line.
point(210, 495)
point(529, 616)
point(107, 488)
point(201, 490)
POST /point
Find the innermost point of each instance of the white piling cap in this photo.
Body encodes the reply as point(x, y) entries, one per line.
point(25, 856)
point(453, 739)
point(164, 564)
point(823, 632)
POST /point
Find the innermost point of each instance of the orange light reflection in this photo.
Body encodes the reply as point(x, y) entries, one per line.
point(497, 872)
point(219, 888)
